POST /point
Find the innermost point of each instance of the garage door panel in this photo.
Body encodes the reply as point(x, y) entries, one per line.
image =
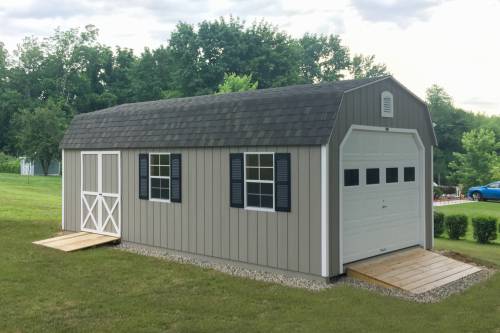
point(373, 241)
point(382, 217)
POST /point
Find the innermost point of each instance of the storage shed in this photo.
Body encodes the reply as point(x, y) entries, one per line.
point(300, 179)
point(28, 167)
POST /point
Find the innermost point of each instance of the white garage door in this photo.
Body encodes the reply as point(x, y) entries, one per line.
point(380, 190)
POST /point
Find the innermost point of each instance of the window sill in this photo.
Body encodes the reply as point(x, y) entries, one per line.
point(160, 200)
point(260, 209)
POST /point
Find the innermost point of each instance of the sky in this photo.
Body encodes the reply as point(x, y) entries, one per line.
point(452, 43)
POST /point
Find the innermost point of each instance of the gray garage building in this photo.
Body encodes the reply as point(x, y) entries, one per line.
point(301, 179)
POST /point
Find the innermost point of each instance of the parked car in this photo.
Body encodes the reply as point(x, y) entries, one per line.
point(486, 192)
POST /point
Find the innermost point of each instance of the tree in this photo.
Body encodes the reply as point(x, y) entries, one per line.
point(39, 132)
point(235, 83)
point(365, 67)
point(324, 58)
point(449, 125)
point(479, 163)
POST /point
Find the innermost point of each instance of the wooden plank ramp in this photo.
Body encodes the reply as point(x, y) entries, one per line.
point(76, 241)
point(415, 270)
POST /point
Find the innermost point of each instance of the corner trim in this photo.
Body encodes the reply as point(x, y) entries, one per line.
point(325, 269)
point(62, 190)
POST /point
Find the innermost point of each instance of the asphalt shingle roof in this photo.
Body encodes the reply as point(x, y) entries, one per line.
point(293, 115)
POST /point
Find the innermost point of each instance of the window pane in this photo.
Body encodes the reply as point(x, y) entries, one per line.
point(155, 193)
point(164, 159)
point(409, 174)
point(266, 160)
point(253, 188)
point(164, 171)
point(155, 171)
point(266, 189)
point(164, 194)
point(155, 182)
point(266, 201)
point(253, 173)
point(372, 176)
point(253, 200)
point(266, 173)
point(164, 183)
point(252, 160)
point(391, 175)
point(155, 159)
point(351, 177)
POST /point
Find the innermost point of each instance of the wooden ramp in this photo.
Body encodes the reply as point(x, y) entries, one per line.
point(415, 270)
point(76, 241)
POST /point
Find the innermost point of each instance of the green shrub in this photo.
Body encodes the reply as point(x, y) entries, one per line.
point(456, 225)
point(438, 223)
point(438, 192)
point(485, 228)
point(9, 164)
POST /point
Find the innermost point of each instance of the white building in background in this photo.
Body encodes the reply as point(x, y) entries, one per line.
point(34, 168)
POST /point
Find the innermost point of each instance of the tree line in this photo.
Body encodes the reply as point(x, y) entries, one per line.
point(71, 72)
point(45, 82)
point(468, 143)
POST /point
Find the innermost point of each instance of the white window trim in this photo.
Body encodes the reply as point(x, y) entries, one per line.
point(159, 177)
point(260, 209)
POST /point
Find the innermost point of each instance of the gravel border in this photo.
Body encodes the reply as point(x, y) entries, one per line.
point(432, 296)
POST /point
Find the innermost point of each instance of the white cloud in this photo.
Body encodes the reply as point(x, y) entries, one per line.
point(453, 43)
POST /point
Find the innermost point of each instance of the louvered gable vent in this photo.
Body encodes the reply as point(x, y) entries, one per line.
point(387, 105)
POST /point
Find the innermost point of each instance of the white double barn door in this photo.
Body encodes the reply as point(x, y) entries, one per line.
point(100, 192)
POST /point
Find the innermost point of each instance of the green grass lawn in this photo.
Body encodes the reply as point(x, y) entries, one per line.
point(105, 290)
point(487, 253)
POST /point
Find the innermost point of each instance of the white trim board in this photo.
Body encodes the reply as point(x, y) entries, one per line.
point(421, 147)
point(62, 190)
point(325, 216)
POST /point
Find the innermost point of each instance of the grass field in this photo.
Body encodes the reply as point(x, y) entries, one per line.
point(487, 253)
point(105, 290)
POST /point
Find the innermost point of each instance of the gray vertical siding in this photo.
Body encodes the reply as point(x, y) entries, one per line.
point(204, 224)
point(362, 107)
point(72, 208)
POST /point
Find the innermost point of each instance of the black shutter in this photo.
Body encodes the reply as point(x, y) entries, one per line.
point(282, 182)
point(236, 180)
point(175, 178)
point(144, 176)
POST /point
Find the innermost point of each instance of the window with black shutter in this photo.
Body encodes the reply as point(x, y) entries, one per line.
point(236, 185)
point(144, 176)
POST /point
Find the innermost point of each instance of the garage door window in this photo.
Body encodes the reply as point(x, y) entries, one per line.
point(409, 174)
point(372, 176)
point(351, 177)
point(391, 175)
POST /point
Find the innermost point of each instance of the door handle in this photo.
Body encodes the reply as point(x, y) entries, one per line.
point(384, 206)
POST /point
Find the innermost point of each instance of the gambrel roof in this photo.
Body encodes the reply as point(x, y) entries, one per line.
point(293, 115)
